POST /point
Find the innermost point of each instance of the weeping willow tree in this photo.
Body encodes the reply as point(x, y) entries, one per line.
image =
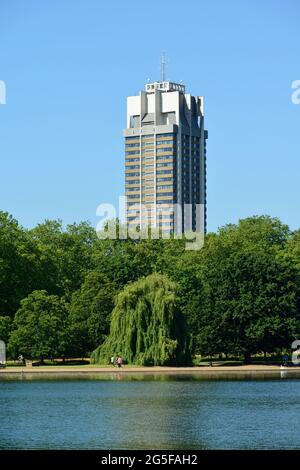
point(146, 326)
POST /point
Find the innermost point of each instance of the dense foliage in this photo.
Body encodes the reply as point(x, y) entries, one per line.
point(146, 326)
point(40, 326)
point(239, 294)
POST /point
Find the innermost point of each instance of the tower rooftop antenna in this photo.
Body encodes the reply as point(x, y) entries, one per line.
point(163, 67)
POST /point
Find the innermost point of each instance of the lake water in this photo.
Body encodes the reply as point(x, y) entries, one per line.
point(150, 412)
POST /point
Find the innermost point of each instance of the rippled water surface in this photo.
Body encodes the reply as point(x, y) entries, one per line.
point(150, 412)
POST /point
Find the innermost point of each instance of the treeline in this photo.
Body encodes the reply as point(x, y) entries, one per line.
point(66, 293)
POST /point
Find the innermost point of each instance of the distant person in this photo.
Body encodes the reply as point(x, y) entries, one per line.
point(112, 361)
point(285, 360)
point(119, 361)
point(21, 358)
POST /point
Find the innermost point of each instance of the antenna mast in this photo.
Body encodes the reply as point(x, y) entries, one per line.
point(163, 67)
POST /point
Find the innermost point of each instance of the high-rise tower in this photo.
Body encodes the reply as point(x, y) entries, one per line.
point(165, 159)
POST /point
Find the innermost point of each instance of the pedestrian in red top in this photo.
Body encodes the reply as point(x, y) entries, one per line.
point(119, 361)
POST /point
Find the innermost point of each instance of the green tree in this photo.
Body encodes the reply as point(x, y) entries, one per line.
point(90, 312)
point(19, 264)
point(128, 260)
point(122, 261)
point(66, 255)
point(40, 327)
point(146, 326)
point(249, 289)
point(5, 328)
point(181, 267)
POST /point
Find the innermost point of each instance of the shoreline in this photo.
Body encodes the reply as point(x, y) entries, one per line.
point(75, 370)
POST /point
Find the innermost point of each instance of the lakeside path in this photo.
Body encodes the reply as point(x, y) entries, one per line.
point(95, 370)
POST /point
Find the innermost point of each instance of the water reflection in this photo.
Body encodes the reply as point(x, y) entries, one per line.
point(157, 376)
point(284, 374)
point(150, 411)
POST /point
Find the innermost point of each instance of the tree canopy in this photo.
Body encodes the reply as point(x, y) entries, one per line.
point(41, 328)
point(146, 325)
point(250, 289)
point(90, 311)
point(239, 294)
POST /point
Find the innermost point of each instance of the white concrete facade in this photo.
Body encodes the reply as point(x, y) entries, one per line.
point(164, 109)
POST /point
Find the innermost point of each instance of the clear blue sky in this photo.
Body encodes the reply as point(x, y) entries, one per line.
point(69, 65)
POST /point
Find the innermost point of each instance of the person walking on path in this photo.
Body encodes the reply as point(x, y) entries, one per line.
point(112, 361)
point(119, 361)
